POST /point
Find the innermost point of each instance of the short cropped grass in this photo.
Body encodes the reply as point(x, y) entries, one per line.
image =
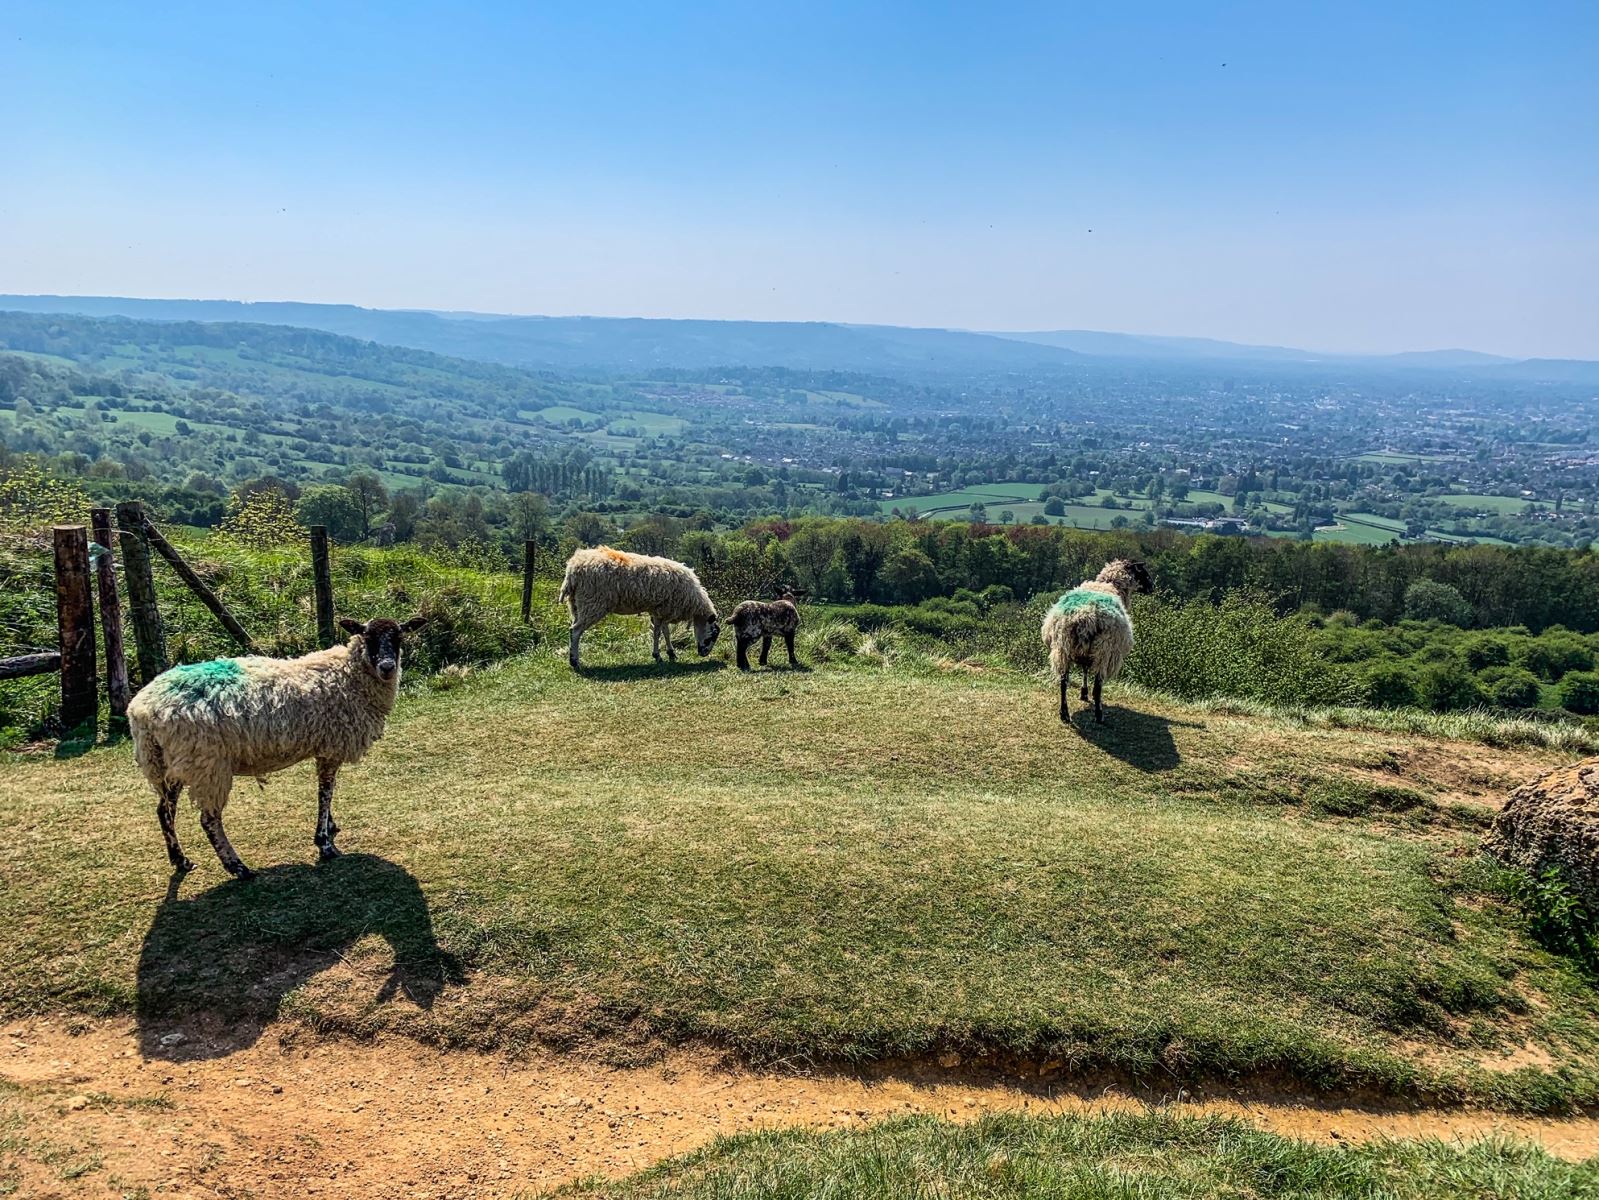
point(875, 857)
point(1151, 1157)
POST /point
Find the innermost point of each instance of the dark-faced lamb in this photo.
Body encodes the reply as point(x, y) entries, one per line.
point(601, 581)
point(756, 620)
point(1090, 628)
point(202, 725)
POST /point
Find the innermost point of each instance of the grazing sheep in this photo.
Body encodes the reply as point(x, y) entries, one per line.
point(1089, 628)
point(754, 619)
point(602, 581)
point(203, 724)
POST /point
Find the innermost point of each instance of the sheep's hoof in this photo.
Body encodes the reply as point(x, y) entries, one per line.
point(181, 866)
point(330, 851)
point(242, 873)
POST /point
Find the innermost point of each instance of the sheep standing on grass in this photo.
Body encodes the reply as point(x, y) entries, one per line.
point(754, 620)
point(1089, 628)
point(602, 581)
point(203, 724)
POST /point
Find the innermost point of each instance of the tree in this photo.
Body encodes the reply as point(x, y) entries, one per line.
point(1054, 507)
point(910, 576)
point(1429, 600)
point(371, 498)
point(333, 506)
point(530, 516)
point(262, 519)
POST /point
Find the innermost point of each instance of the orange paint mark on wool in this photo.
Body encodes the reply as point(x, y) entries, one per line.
point(614, 555)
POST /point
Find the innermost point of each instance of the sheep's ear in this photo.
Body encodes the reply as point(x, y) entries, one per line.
point(349, 626)
point(414, 624)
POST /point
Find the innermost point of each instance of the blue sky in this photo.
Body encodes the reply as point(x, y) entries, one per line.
point(1343, 176)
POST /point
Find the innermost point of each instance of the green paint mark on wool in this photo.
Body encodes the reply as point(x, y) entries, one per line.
point(201, 681)
point(1081, 598)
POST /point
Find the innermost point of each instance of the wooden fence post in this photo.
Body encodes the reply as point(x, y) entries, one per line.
point(80, 695)
point(116, 663)
point(530, 550)
point(322, 575)
point(197, 585)
point(149, 640)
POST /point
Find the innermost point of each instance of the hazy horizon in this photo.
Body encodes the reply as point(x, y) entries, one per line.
point(1358, 182)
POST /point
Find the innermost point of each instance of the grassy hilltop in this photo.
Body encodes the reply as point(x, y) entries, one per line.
point(882, 856)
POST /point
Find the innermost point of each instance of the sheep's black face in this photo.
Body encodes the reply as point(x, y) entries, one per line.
point(382, 641)
point(1146, 581)
point(705, 635)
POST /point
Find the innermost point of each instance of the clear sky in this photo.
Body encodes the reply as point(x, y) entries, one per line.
point(1343, 176)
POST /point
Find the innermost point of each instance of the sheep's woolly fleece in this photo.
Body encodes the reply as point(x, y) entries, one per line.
point(601, 581)
point(1089, 627)
point(205, 723)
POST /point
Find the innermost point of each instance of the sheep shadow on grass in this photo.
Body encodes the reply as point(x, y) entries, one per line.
point(220, 963)
point(629, 672)
point(1141, 740)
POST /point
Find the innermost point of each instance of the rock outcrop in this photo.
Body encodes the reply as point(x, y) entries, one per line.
point(1554, 821)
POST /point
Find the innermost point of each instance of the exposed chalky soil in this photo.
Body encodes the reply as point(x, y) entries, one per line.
point(83, 1113)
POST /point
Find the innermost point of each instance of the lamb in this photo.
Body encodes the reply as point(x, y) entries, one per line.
point(754, 619)
point(203, 724)
point(1089, 628)
point(601, 581)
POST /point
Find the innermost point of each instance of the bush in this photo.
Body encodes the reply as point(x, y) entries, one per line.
point(1579, 692)
point(1240, 647)
point(1447, 686)
point(1485, 652)
point(1554, 653)
point(1512, 687)
point(1391, 685)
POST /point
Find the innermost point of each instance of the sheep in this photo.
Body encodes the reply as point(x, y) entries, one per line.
point(601, 581)
point(1089, 627)
point(203, 724)
point(754, 619)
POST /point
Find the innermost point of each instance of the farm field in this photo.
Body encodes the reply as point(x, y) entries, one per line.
point(1503, 505)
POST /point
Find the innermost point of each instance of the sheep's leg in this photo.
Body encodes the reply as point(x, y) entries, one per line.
point(1065, 683)
point(655, 641)
point(766, 647)
point(1083, 695)
point(743, 654)
point(211, 797)
point(327, 772)
point(1099, 709)
point(166, 811)
point(788, 640)
point(671, 650)
point(578, 629)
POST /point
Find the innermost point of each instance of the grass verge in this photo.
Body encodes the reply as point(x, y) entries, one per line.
point(1151, 1157)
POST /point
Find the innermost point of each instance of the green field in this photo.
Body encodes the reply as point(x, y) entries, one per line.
point(1165, 893)
point(1502, 505)
point(560, 414)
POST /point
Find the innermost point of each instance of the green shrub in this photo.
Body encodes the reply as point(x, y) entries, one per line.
point(1447, 686)
point(1487, 651)
point(1512, 687)
point(1579, 692)
point(1240, 647)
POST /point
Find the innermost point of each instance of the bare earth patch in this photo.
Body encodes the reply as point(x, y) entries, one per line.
point(86, 1114)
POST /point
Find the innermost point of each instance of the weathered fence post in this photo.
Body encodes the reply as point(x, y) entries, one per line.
point(80, 695)
point(149, 640)
point(197, 585)
point(116, 664)
point(322, 575)
point(530, 550)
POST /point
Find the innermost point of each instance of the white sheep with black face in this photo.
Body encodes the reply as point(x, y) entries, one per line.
point(1090, 628)
point(201, 725)
point(601, 581)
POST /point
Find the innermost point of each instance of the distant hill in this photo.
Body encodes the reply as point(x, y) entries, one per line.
point(603, 342)
point(640, 344)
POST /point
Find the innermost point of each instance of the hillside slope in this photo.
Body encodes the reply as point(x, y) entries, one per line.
point(857, 861)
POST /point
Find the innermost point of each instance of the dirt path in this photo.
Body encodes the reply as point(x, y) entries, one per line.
point(82, 1114)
